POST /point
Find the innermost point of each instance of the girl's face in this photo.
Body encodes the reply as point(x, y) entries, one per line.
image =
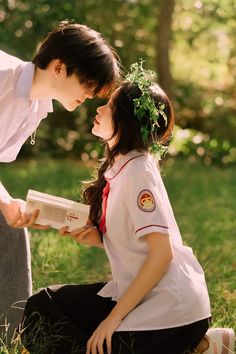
point(103, 123)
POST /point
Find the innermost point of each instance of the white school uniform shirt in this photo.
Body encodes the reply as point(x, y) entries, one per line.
point(19, 116)
point(138, 204)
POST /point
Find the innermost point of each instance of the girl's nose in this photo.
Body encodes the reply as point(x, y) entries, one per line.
point(99, 109)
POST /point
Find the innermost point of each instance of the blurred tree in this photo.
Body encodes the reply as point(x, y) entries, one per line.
point(190, 43)
point(202, 58)
point(163, 45)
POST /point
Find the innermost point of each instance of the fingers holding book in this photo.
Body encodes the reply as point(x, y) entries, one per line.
point(87, 235)
point(28, 220)
point(17, 217)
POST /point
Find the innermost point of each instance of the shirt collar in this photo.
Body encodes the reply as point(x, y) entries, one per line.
point(24, 84)
point(120, 163)
point(25, 80)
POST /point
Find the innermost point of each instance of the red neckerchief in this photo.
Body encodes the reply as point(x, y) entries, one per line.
point(102, 224)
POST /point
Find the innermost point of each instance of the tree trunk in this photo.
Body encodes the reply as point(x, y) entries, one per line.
point(163, 45)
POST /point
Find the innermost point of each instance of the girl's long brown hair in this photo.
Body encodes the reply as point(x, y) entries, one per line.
point(127, 129)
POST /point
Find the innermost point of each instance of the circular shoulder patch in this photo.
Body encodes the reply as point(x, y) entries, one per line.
point(146, 201)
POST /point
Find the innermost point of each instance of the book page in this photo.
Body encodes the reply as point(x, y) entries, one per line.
point(53, 213)
point(56, 211)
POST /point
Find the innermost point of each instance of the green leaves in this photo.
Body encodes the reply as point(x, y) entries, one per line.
point(145, 105)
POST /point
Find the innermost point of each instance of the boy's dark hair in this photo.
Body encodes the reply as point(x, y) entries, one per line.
point(127, 127)
point(84, 52)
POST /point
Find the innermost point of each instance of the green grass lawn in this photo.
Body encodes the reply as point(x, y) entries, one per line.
point(204, 202)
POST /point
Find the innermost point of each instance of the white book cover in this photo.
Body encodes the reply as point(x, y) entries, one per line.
point(56, 211)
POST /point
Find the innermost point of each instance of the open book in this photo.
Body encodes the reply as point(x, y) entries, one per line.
point(56, 211)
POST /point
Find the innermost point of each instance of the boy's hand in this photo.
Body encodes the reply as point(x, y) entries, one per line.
point(14, 213)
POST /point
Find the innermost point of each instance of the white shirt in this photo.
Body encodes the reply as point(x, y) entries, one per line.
point(138, 204)
point(19, 116)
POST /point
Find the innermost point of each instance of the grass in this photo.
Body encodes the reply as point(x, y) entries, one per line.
point(203, 199)
point(55, 259)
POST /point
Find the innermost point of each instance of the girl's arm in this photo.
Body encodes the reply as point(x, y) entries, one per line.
point(155, 266)
point(87, 235)
point(158, 259)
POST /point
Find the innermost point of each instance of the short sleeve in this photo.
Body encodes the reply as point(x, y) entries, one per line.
point(6, 77)
point(145, 202)
point(8, 67)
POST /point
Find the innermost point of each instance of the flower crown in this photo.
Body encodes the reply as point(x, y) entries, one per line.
point(144, 104)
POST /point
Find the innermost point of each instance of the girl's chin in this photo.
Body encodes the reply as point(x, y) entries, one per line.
point(95, 132)
point(103, 136)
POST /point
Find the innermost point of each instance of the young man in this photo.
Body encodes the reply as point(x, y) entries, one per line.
point(73, 63)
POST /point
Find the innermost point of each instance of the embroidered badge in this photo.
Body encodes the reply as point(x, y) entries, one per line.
point(146, 201)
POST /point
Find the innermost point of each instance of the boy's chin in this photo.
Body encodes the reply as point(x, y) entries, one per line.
point(69, 106)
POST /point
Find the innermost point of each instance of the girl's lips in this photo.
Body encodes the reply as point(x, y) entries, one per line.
point(96, 120)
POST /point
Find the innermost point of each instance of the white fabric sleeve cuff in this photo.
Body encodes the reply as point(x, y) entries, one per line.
point(142, 231)
point(4, 195)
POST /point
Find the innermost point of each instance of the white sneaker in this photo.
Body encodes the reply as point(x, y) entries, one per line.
point(221, 341)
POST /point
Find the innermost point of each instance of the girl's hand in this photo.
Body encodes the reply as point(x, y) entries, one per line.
point(103, 333)
point(15, 215)
point(88, 235)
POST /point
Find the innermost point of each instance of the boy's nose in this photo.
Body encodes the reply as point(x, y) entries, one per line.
point(85, 97)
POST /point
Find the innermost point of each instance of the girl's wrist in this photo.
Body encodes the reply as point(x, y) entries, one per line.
point(116, 314)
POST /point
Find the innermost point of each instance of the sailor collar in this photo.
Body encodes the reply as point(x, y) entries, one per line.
point(120, 163)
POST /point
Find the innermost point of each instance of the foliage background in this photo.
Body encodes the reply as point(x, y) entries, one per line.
point(191, 44)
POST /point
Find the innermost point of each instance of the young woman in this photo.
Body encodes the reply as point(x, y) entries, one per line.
point(157, 300)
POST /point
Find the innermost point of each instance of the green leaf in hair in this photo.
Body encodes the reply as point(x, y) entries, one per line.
point(145, 104)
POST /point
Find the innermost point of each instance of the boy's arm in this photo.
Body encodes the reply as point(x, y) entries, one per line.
point(4, 195)
point(11, 208)
point(13, 211)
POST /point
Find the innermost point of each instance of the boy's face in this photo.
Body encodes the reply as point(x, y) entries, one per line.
point(68, 90)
